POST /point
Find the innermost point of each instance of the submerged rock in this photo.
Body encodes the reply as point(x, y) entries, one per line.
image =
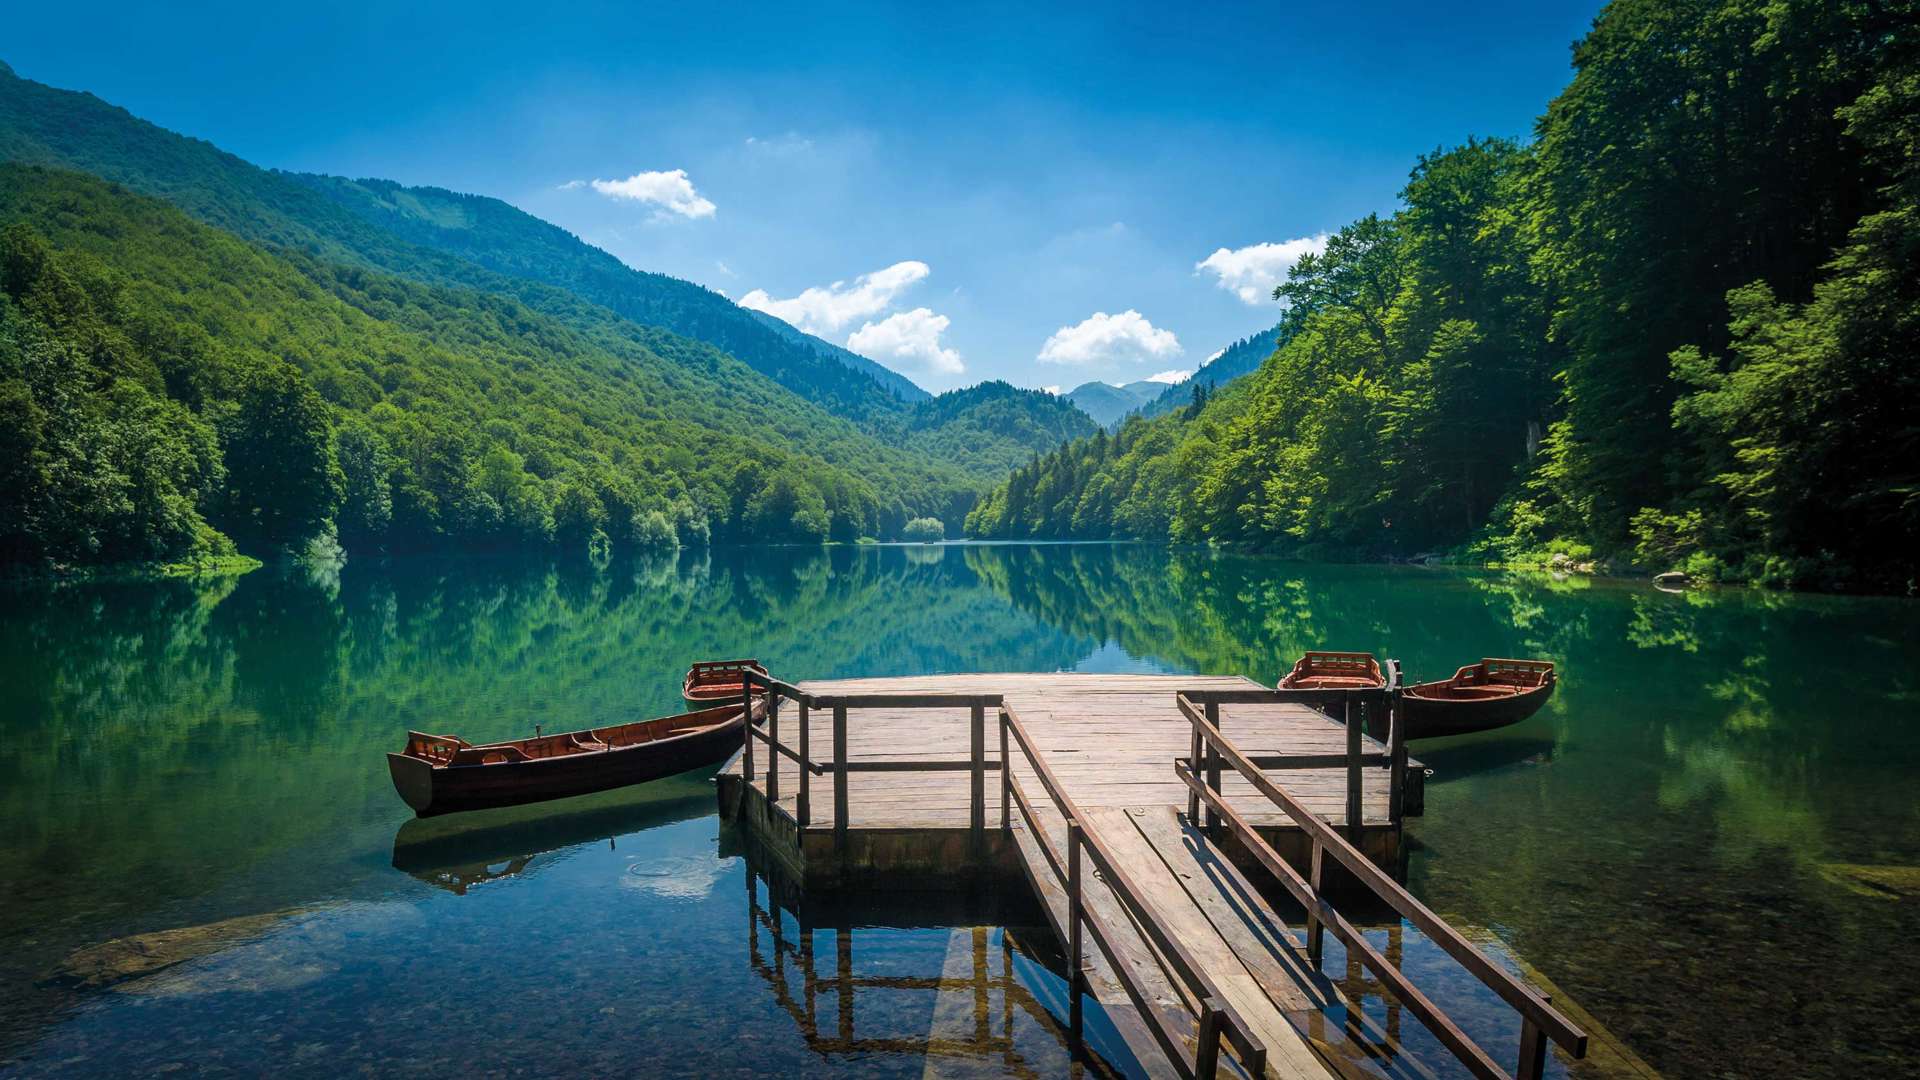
point(1881, 882)
point(139, 955)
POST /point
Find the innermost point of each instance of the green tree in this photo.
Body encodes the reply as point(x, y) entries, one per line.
point(283, 479)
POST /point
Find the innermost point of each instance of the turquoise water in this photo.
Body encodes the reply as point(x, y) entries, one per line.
point(1708, 840)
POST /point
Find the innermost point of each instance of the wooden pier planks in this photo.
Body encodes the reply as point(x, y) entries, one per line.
point(1111, 738)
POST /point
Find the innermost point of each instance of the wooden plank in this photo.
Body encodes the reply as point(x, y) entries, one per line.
point(1288, 1053)
point(1098, 974)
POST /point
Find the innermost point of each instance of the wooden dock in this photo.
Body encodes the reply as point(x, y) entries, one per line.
point(1138, 809)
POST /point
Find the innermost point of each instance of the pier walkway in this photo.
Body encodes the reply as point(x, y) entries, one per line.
point(1138, 808)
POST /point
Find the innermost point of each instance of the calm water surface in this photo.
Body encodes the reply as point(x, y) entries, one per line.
point(1709, 841)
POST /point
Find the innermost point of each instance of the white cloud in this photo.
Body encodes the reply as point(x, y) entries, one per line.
point(780, 145)
point(671, 193)
point(1216, 354)
point(1252, 272)
point(1104, 338)
point(1171, 375)
point(912, 337)
point(1054, 389)
point(825, 310)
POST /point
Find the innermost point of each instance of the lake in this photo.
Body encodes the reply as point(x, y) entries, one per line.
point(1709, 840)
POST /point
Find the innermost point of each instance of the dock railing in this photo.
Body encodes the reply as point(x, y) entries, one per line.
point(1358, 710)
point(839, 766)
point(1217, 1021)
point(1201, 774)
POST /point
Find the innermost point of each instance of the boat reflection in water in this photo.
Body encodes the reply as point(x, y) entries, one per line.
point(1479, 756)
point(461, 851)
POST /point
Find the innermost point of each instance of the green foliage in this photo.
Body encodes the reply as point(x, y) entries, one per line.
point(924, 530)
point(488, 377)
point(283, 480)
point(168, 386)
point(1681, 323)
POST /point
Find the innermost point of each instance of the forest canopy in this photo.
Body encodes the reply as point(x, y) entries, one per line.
point(1677, 329)
point(169, 392)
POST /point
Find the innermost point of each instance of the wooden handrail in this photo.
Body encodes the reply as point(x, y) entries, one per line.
point(1217, 1020)
point(1539, 1016)
point(839, 767)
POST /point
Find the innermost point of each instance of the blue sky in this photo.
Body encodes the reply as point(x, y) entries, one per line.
point(1045, 196)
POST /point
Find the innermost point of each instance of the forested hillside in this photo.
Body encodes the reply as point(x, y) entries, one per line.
point(441, 237)
point(168, 390)
point(460, 374)
point(993, 426)
point(427, 234)
point(1239, 359)
point(1677, 329)
point(506, 240)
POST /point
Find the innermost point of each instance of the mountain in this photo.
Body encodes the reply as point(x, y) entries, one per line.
point(1243, 357)
point(1109, 404)
point(427, 234)
point(170, 391)
point(895, 383)
point(509, 241)
point(994, 426)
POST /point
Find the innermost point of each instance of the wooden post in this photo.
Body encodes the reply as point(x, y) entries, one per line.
point(1076, 969)
point(1006, 776)
point(1194, 766)
point(1206, 1049)
point(1354, 811)
point(773, 747)
point(840, 778)
point(1213, 765)
point(1396, 761)
point(1316, 930)
point(805, 806)
point(746, 710)
point(977, 758)
point(1533, 1053)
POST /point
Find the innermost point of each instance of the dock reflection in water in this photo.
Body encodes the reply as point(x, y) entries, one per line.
point(997, 997)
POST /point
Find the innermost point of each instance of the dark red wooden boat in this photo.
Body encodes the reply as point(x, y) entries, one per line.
point(1335, 671)
point(444, 774)
point(711, 682)
point(1480, 697)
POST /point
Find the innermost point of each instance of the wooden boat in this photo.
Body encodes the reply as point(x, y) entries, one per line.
point(711, 682)
point(1490, 694)
point(444, 774)
point(1335, 671)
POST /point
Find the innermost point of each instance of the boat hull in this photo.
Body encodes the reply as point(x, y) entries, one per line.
point(432, 790)
point(712, 683)
point(1433, 718)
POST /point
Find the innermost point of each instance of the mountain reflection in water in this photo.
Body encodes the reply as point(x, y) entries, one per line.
point(199, 754)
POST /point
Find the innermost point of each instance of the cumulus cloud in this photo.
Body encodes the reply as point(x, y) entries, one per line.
point(821, 310)
point(1054, 389)
point(909, 337)
point(1252, 272)
point(670, 193)
point(1103, 338)
point(1171, 375)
